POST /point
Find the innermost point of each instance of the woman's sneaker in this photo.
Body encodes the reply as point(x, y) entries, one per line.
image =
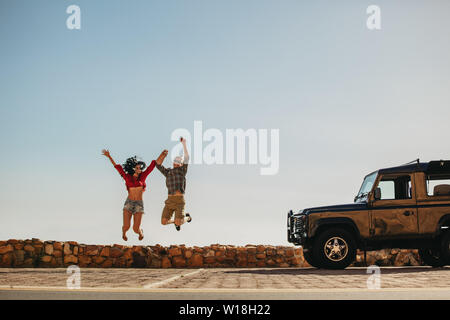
point(189, 217)
point(177, 227)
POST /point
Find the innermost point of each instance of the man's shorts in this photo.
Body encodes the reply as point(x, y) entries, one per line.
point(134, 206)
point(173, 204)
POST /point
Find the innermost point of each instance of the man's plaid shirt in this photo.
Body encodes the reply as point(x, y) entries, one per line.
point(175, 177)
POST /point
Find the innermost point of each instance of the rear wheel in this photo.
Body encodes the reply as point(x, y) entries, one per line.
point(432, 257)
point(445, 248)
point(334, 249)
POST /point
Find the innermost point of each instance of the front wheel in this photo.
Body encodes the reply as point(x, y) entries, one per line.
point(308, 255)
point(334, 249)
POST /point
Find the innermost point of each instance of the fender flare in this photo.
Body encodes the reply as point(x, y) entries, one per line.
point(444, 220)
point(336, 222)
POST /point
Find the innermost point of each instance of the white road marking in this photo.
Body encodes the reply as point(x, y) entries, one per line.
point(160, 283)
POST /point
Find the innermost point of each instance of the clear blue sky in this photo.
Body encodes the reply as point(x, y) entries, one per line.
point(345, 99)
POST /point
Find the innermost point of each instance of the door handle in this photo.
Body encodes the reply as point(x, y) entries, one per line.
point(408, 213)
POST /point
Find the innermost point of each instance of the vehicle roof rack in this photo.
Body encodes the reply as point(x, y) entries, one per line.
point(411, 162)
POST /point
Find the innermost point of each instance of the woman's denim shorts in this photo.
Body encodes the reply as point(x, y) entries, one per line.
point(134, 206)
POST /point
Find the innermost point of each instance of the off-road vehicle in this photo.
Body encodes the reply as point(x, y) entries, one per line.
point(400, 207)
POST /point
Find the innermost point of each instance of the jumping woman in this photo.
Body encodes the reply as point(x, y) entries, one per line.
point(135, 182)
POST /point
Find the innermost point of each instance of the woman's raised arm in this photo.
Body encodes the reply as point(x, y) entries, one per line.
point(161, 157)
point(149, 169)
point(106, 153)
point(117, 166)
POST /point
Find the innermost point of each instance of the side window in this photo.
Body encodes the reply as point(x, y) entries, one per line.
point(395, 188)
point(387, 189)
point(438, 185)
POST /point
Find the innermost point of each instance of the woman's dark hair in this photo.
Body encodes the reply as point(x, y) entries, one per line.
point(131, 164)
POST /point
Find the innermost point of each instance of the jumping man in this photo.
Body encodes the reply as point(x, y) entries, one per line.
point(176, 184)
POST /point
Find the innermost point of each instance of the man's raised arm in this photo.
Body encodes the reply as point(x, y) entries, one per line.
point(159, 162)
point(186, 153)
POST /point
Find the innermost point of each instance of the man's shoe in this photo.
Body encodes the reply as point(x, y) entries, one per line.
point(177, 227)
point(189, 217)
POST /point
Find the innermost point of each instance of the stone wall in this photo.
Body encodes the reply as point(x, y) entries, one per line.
point(54, 254)
point(389, 257)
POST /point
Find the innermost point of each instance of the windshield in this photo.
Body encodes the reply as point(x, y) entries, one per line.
point(366, 187)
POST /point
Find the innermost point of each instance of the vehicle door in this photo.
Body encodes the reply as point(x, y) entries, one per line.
point(394, 209)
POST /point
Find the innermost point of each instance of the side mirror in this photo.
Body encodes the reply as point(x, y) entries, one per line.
point(377, 194)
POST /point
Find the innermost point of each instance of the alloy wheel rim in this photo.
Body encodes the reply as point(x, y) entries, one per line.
point(335, 249)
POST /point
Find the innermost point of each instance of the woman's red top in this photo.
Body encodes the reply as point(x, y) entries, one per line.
point(131, 181)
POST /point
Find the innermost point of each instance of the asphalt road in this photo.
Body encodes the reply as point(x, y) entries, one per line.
point(395, 283)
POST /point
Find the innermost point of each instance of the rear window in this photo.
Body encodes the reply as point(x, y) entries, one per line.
point(438, 185)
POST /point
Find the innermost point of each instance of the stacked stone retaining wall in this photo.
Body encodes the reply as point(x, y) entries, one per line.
point(55, 254)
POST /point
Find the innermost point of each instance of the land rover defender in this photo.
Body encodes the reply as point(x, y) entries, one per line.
point(407, 206)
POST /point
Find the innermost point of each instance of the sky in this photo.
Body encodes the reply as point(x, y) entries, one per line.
point(346, 101)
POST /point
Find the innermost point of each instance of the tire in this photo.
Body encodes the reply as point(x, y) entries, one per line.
point(432, 257)
point(310, 259)
point(334, 249)
point(445, 248)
